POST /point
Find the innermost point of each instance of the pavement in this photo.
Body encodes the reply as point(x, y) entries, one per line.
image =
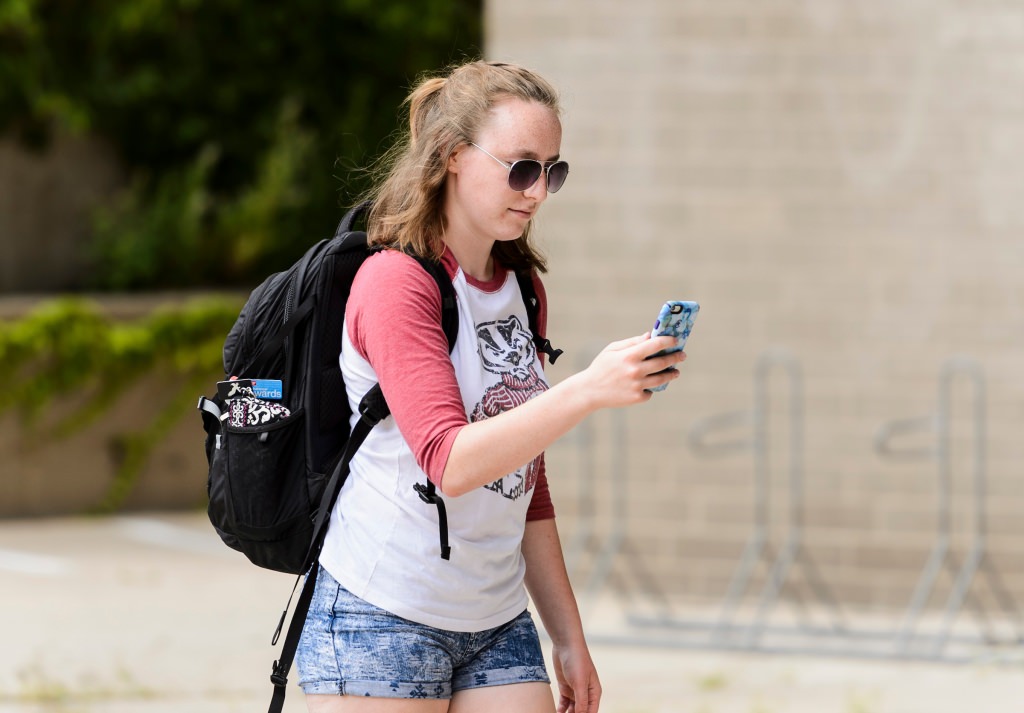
point(152, 614)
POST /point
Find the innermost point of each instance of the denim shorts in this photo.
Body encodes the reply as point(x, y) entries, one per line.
point(352, 648)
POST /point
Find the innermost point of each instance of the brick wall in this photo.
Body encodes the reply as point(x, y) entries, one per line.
point(837, 180)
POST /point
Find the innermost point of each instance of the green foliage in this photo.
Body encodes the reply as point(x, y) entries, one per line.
point(195, 96)
point(248, 224)
point(68, 352)
point(152, 235)
point(170, 231)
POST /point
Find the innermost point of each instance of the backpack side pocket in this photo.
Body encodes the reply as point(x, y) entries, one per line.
point(258, 493)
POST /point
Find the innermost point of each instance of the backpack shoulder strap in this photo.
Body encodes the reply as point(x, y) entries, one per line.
point(450, 326)
point(532, 311)
point(449, 309)
point(348, 221)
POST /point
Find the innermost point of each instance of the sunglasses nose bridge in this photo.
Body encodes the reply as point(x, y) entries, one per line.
point(539, 186)
point(530, 172)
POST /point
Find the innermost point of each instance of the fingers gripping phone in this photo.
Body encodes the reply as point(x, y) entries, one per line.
point(674, 320)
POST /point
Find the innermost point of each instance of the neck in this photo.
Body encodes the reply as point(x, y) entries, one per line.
point(471, 252)
point(479, 267)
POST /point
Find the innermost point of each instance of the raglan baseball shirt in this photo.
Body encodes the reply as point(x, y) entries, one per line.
point(382, 544)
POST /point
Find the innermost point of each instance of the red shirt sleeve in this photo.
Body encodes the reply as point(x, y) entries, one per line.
point(394, 321)
point(541, 507)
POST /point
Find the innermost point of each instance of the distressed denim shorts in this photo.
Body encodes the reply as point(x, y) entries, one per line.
point(352, 648)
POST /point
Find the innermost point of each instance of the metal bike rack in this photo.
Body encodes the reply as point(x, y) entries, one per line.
point(794, 554)
point(744, 619)
point(726, 631)
point(941, 556)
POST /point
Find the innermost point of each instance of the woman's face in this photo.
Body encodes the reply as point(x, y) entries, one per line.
point(479, 197)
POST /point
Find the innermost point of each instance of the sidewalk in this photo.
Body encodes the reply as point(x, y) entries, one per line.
point(151, 614)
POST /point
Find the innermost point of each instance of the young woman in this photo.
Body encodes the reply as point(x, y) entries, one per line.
point(393, 627)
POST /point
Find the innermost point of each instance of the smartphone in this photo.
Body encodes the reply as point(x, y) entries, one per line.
point(674, 320)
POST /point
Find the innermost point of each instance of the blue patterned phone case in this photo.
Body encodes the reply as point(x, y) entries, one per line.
point(676, 320)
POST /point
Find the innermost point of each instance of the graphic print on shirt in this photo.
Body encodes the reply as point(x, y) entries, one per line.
point(507, 350)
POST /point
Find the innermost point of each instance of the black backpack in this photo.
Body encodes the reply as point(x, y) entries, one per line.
point(272, 485)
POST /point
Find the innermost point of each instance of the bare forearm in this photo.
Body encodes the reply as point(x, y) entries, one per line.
point(487, 450)
point(579, 688)
point(548, 583)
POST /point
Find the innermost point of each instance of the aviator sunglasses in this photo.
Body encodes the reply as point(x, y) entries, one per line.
point(524, 173)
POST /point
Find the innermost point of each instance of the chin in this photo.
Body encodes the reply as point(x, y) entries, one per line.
point(515, 229)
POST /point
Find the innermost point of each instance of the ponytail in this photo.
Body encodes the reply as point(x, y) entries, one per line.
point(421, 101)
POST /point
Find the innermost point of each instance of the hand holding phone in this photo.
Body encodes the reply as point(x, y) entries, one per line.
point(675, 319)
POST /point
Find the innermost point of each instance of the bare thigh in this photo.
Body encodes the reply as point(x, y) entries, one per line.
point(533, 697)
point(363, 704)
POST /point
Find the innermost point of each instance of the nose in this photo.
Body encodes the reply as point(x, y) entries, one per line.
point(539, 190)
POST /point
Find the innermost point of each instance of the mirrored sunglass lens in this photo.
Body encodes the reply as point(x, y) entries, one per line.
point(557, 173)
point(524, 174)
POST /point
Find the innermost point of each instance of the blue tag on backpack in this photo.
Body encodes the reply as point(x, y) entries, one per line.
point(270, 389)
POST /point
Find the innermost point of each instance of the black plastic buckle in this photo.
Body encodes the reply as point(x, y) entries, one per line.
point(373, 407)
point(425, 495)
point(545, 346)
point(279, 677)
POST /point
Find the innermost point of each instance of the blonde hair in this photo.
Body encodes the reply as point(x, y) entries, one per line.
point(446, 112)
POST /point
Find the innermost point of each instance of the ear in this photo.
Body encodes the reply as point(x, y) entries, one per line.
point(454, 160)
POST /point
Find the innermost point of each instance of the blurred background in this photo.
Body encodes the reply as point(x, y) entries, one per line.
point(837, 471)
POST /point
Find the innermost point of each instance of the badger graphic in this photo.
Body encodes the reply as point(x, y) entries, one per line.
point(507, 349)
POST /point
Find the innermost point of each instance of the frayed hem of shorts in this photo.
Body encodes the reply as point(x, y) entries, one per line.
point(321, 688)
point(379, 689)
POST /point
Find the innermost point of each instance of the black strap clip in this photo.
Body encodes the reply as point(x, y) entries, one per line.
point(279, 676)
point(429, 495)
point(373, 407)
point(545, 346)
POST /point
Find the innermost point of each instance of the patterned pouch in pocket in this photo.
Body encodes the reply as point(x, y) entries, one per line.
point(244, 408)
